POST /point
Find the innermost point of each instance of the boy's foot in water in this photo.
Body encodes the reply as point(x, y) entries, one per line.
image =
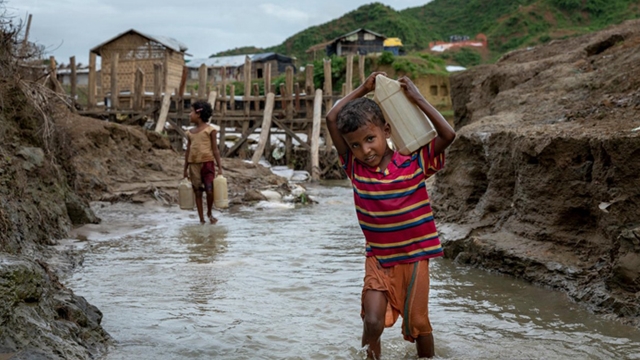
point(212, 219)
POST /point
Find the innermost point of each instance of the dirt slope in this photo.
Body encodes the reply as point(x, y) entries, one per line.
point(542, 182)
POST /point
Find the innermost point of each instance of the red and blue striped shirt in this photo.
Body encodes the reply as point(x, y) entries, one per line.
point(393, 206)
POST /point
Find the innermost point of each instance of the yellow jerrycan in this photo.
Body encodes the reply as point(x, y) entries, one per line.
point(186, 197)
point(410, 127)
point(220, 192)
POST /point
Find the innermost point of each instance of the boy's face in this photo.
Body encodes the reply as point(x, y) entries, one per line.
point(369, 143)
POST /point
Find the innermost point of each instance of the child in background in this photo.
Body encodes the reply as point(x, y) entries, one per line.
point(202, 151)
point(394, 213)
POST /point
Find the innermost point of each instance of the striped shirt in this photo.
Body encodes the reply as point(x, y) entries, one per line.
point(393, 206)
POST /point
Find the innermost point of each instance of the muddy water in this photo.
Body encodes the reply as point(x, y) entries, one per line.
point(285, 284)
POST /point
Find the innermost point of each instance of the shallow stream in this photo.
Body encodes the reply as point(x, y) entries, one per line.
point(285, 284)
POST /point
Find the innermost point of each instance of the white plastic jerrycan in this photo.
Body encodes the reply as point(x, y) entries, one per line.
point(410, 127)
point(186, 197)
point(220, 192)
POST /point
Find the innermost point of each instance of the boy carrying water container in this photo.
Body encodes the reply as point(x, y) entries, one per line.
point(394, 212)
point(202, 151)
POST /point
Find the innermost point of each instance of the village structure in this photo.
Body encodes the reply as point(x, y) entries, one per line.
point(150, 80)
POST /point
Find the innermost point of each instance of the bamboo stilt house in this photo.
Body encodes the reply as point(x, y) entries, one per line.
point(137, 50)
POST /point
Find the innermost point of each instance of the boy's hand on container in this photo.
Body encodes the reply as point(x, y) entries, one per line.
point(410, 89)
point(185, 174)
point(370, 83)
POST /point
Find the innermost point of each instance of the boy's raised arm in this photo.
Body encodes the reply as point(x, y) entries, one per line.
point(446, 134)
point(332, 116)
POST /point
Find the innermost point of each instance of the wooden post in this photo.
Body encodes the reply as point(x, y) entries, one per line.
point(157, 81)
point(223, 110)
point(202, 82)
point(216, 105)
point(266, 127)
point(180, 92)
point(296, 92)
point(247, 88)
point(53, 67)
point(138, 90)
point(91, 91)
point(283, 97)
point(289, 91)
point(25, 41)
point(349, 80)
point(344, 90)
point(223, 92)
point(267, 79)
point(165, 74)
point(232, 97)
point(315, 136)
point(256, 98)
point(164, 112)
point(288, 148)
point(53, 76)
point(74, 79)
point(213, 95)
point(328, 92)
point(361, 68)
point(114, 80)
point(289, 111)
point(267, 145)
point(223, 136)
point(309, 89)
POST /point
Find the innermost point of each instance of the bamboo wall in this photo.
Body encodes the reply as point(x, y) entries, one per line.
point(135, 51)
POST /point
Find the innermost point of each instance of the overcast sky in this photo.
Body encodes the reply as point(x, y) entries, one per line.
point(72, 27)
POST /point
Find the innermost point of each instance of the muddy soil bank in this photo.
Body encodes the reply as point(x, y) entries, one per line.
point(126, 163)
point(542, 182)
point(40, 318)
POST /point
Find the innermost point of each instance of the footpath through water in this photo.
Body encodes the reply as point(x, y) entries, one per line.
point(285, 284)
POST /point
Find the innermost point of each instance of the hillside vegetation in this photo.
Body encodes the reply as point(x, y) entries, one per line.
point(509, 24)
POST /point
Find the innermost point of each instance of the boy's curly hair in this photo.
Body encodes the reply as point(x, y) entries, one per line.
point(357, 113)
point(203, 108)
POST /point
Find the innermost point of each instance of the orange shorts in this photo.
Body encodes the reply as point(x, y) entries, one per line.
point(406, 287)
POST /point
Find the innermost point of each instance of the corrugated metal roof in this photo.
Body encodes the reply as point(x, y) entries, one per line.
point(231, 61)
point(357, 31)
point(166, 41)
point(219, 61)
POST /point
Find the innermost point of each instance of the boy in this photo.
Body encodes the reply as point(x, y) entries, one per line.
point(202, 150)
point(394, 212)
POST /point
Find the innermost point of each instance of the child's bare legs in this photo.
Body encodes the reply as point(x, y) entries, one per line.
point(199, 205)
point(375, 308)
point(424, 344)
point(212, 219)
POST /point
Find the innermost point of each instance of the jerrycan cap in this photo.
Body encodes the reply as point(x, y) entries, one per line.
point(385, 87)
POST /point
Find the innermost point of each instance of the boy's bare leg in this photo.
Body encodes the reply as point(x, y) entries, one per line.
point(424, 344)
point(199, 205)
point(375, 308)
point(209, 206)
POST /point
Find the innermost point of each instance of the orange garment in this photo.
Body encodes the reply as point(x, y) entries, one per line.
point(406, 287)
point(201, 150)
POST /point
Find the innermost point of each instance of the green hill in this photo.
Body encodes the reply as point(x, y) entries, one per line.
point(508, 24)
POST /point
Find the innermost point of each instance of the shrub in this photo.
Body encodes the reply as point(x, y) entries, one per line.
point(386, 58)
point(467, 57)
